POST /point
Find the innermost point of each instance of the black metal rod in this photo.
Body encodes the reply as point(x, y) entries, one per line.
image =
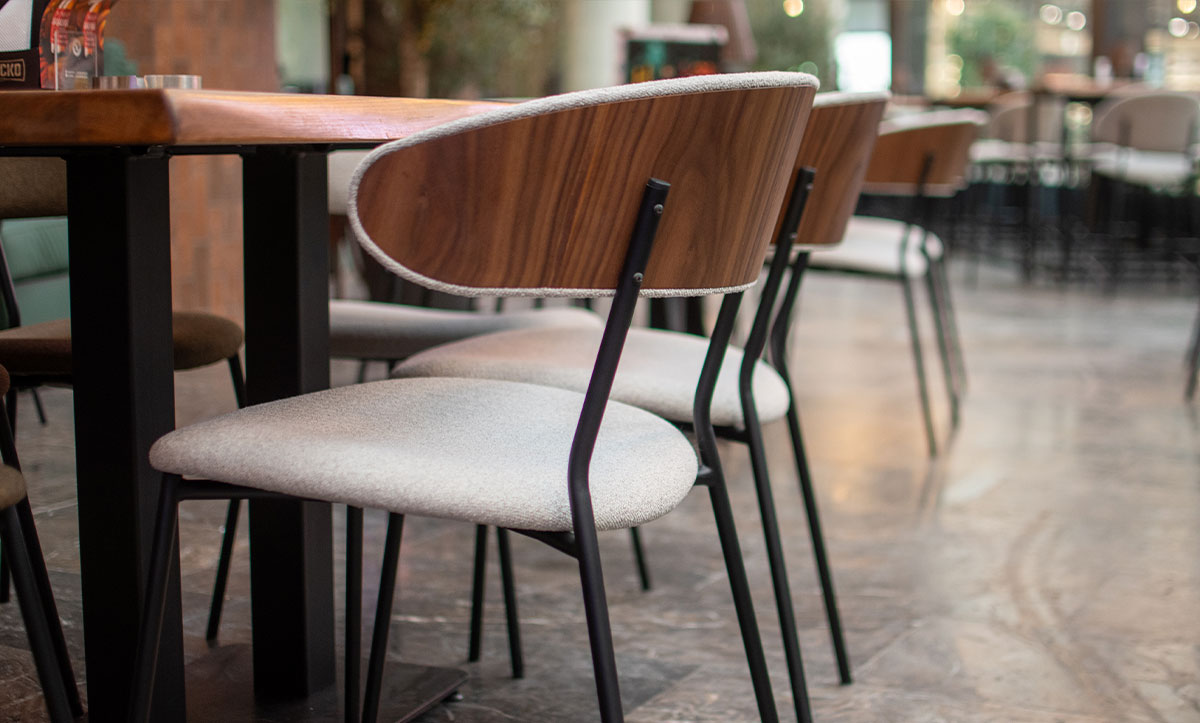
point(163, 549)
point(478, 581)
point(824, 571)
point(515, 655)
point(939, 326)
point(228, 537)
point(582, 518)
point(714, 479)
point(5, 577)
point(919, 363)
point(758, 458)
point(37, 627)
point(353, 666)
point(41, 578)
point(1193, 363)
point(639, 558)
point(238, 378)
point(956, 350)
point(383, 617)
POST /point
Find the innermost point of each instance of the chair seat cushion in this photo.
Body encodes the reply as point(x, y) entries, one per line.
point(1154, 169)
point(480, 451)
point(659, 369)
point(45, 349)
point(872, 246)
point(12, 487)
point(374, 330)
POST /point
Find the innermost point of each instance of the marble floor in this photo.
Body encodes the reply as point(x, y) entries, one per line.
point(1046, 567)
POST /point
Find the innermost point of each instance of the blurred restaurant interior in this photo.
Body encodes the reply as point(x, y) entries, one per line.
point(1000, 458)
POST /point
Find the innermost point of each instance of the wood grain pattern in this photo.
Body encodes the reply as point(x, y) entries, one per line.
point(837, 144)
point(549, 201)
point(901, 153)
point(190, 117)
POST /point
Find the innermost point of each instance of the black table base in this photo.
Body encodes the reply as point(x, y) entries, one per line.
point(220, 689)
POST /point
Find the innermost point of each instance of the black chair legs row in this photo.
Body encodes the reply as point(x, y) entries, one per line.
point(41, 629)
point(515, 653)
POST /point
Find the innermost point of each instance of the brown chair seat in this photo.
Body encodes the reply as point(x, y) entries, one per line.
point(12, 487)
point(199, 339)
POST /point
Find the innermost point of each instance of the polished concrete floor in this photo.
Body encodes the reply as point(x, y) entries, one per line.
point(1043, 568)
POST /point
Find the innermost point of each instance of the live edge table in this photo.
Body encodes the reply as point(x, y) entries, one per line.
point(117, 145)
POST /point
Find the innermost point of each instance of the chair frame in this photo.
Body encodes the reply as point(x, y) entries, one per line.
point(578, 228)
point(27, 565)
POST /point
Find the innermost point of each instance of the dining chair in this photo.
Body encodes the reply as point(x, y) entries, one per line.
point(40, 353)
point(536, 199)
point(659, 368)
point(34, 594)
point(921, 158)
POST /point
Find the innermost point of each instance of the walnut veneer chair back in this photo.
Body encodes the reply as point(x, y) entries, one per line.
point(924, 154)
point(489, 210)
point(1154, 121)
point(837, 144)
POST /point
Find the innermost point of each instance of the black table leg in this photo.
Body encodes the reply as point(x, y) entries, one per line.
point(286, 219)
point(124, 400)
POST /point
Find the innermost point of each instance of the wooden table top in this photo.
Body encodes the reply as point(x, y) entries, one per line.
point(154, 117)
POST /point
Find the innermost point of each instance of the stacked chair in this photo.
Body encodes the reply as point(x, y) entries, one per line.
point(669, 188)
point(659, 368)
point(34, 595)
point(921, 158)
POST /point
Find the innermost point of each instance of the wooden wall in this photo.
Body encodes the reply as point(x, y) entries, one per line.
point(231, 43)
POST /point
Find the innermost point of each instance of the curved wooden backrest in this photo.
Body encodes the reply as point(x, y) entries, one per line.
point(540, 198)
point(1155, 121)
point(905, 145)
point(32, 187)
point(837, 144)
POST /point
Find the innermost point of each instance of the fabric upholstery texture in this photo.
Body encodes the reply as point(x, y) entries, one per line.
point(659, 370)
point(199, 339)
point(375, 330)
point(481, 451)
point(872, 245)
point(12, 487)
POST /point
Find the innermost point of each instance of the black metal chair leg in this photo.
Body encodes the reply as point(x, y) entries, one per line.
point(639, 557)
point(775, 560)
point(353, 666)
point(161, 553)
point(37, 406)
point(41, 578)
point(939, 325)
point(5, 575)
point(239, 380)
point(516, 656)
point(1194, 364)
point(222, 578)
point(824, 572)
point(919, 362)
point(478, 580)
point(37, 627)
point(383, 617)
point(740, 587)
point(595, 606)
point(956, 349)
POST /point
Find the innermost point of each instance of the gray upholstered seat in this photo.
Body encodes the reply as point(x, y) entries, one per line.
point(490, 452)
point(1161, 170)
point(659, 369)
point(872, 245)
point(375, 330)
